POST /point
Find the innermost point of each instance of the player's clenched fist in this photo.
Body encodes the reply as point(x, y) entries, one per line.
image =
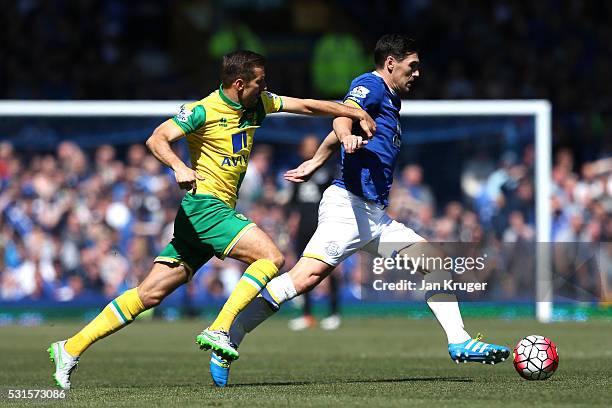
point(352, 143)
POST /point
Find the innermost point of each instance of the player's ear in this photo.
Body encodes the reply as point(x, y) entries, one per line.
point(390, 63)
point(239, 84)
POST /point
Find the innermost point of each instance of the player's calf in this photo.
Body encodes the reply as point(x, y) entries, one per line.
point(151, 299)
point(308, 273)
point(304, 276)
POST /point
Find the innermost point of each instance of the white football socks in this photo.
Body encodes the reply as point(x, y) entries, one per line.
point(252, 316)
point(280, 289)
point(446, 309)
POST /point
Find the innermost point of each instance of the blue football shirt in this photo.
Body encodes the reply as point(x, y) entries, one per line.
point(368, 172)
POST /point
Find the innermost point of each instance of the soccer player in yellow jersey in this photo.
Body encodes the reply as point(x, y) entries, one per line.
point(219, 131)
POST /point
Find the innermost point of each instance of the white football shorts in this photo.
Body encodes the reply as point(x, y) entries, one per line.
point(348, 223)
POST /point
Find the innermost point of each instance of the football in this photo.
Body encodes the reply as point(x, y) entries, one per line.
point(536, 358)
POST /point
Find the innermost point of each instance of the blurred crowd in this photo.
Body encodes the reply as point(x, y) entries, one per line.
point(77, 223)
point(499, 198)
point(552, 49)
point(497, 217)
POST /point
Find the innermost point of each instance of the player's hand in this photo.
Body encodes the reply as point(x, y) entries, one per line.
point(367, 124)
point(186, 177)
point(352, 143)
point(301, 173)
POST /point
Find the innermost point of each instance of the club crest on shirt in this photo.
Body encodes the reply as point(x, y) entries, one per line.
point(359, 92)
point(332, 249)
point(183, 115)
point(397, 138)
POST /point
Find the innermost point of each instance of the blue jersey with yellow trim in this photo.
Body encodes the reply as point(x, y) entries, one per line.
point(368, 172)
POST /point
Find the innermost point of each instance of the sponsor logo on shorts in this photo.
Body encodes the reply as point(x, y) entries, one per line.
point(240, 217)
point(332, 249)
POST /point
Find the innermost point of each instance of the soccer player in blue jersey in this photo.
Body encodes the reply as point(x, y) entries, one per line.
point(352, 213)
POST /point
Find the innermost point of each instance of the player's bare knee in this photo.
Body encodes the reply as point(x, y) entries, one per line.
point(277, 258)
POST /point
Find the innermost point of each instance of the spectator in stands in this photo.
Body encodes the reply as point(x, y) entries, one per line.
point(412, 182)
point(252, 187)
point(518, 230)
point(337, 58)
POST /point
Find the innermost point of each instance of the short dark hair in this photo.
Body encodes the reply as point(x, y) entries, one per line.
point(397, 46)
point(240, 64)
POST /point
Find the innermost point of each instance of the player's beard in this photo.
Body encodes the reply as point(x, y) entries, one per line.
point(251, 101)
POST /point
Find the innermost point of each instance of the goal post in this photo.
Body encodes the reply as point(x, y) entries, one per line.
point(540, 110)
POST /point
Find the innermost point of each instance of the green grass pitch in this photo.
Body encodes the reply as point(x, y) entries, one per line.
point(367, 362)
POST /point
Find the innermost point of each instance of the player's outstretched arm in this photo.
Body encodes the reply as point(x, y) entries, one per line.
point(159, 144)
point(305, 170)
point(326, 108)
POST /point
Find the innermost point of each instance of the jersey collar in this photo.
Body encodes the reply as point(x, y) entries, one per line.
point(380, 76)
point(224, 98)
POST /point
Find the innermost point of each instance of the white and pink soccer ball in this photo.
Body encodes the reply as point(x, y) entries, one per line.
point(536, 357)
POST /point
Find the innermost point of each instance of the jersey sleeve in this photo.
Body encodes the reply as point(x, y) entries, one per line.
point(271, 102)
point(190, 117)
point(365, 93)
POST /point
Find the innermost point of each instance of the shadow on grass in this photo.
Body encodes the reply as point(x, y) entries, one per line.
point(374, 380)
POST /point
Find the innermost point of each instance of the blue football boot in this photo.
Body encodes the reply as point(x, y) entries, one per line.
point(476, 351)
point(219, 369)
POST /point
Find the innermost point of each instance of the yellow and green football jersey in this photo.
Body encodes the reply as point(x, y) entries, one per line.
point(220, 137)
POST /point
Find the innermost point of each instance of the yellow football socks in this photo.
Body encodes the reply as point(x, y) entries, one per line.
point(115, 315)
point(254, 279)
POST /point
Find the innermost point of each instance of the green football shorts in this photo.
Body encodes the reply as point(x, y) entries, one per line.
point(204, 227)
